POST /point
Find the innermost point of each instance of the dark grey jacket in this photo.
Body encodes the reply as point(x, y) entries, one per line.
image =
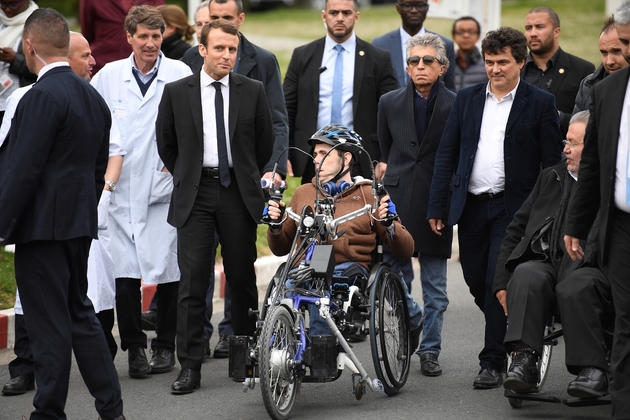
point(583, 99)
point(475, 73)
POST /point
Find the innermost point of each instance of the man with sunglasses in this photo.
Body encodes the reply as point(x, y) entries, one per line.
point(498, 136)
point(413, 14)
point(410, 124)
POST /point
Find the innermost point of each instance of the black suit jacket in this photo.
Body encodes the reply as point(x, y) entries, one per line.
point(259, 64)
point(410, 162)
point(532, 141)
point(596, 183)
point(373, 76)
point(54, 161)
point(568, 73)
point(179, 129)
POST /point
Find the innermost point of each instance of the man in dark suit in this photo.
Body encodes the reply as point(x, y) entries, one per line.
point(51, 181)
point(413, 14)
point(410, 125)
point(258, 64)
point(548, 66)
point(216, 164)
point(497, 137)
point(366, 71)
point(534, 272)
point(602, 187)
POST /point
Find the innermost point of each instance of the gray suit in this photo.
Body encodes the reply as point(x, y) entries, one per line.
point(391, 42)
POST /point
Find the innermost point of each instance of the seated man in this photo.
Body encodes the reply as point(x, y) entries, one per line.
point(360, 237)
point(535, 269)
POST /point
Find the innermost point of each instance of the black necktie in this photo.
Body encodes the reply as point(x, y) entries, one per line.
point(224, 168)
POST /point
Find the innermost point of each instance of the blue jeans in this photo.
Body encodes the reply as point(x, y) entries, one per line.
point(318, 325)
point(433, 278)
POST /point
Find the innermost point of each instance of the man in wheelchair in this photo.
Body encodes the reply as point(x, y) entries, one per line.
point(534, 271)
point(354, 249)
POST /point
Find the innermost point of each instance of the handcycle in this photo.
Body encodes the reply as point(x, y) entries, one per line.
point(283, 355)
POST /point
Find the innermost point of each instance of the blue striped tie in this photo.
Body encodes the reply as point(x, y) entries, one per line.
point(335, 113)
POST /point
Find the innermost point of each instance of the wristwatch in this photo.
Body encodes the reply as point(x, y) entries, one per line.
point(111, 185)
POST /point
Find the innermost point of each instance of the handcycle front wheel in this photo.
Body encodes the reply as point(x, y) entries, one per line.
point(389, 329)
point(277, 380)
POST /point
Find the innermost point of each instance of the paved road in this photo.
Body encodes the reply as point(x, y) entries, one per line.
point(449, 396)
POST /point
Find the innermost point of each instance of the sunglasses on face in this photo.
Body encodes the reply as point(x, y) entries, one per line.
point(414, 60)
point(12, 6)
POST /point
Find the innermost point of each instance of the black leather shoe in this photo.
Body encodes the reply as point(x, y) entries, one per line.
point(488, 378)
point(148, 319)
point(222, 350)
point(187, 381)
point(414, 338)
point(206, 349)
point(429, 365)
point(18, 385)
point(162, 360)
point(138, 363)
point(522, 376)
point(590, 383)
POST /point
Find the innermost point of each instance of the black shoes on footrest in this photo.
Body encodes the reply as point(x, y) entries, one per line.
point(522, 376)
point(590, 383)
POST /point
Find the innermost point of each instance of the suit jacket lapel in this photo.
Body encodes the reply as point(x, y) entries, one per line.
point(560, 72)
point(236, 90)
point(520, 102)
point(194, 98)
point(248, 60)
point(359, 67)
point(396, 55)
point(479, 101)
point(312, 71)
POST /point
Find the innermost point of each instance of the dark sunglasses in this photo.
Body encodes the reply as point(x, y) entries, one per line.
point(414, 60)
point(12, 6)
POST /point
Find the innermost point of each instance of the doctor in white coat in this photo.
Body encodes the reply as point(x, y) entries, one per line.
point(143, 244)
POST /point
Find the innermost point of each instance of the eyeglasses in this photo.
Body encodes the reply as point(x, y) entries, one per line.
point(12, 6)
point(466, 32)
point(428, 60)
point(410, 6)
point(571, 145)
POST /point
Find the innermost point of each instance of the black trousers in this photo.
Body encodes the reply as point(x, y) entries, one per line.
point(221, 209)
point(129, 309)
point(481, 231)
point(618, 269)
point(60, 319)
point(23, 364)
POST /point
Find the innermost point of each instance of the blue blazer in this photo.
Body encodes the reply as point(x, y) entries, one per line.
point(391, 42)
point(532, 141)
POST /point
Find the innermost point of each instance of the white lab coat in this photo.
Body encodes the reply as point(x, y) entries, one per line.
point(143, 244)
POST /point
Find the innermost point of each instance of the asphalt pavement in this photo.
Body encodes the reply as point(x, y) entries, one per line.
point(450, 396)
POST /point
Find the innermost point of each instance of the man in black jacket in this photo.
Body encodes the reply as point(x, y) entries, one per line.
point(535, 269)
point(612, 60)
point(548, 66)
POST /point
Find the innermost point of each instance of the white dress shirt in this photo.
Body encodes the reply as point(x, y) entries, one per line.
point(326, 76)
point(208, 92)
point(488, 172)
point(621, 166)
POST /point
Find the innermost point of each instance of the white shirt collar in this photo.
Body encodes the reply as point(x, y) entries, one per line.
point(206, 80)
point(51, 66)
point(510, 95)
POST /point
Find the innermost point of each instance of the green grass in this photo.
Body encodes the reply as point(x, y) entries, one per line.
point(7, 280)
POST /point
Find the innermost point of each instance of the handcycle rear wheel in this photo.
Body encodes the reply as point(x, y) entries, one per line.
point(277, 380)
point(389, 330)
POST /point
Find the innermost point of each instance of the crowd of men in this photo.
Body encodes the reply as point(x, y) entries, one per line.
point(178, 150)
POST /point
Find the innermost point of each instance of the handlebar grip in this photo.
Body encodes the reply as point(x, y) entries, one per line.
point(275, 194)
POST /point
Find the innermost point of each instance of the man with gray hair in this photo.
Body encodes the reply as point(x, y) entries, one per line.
point(534, 271)
point(603, 187)
point(410, 124)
